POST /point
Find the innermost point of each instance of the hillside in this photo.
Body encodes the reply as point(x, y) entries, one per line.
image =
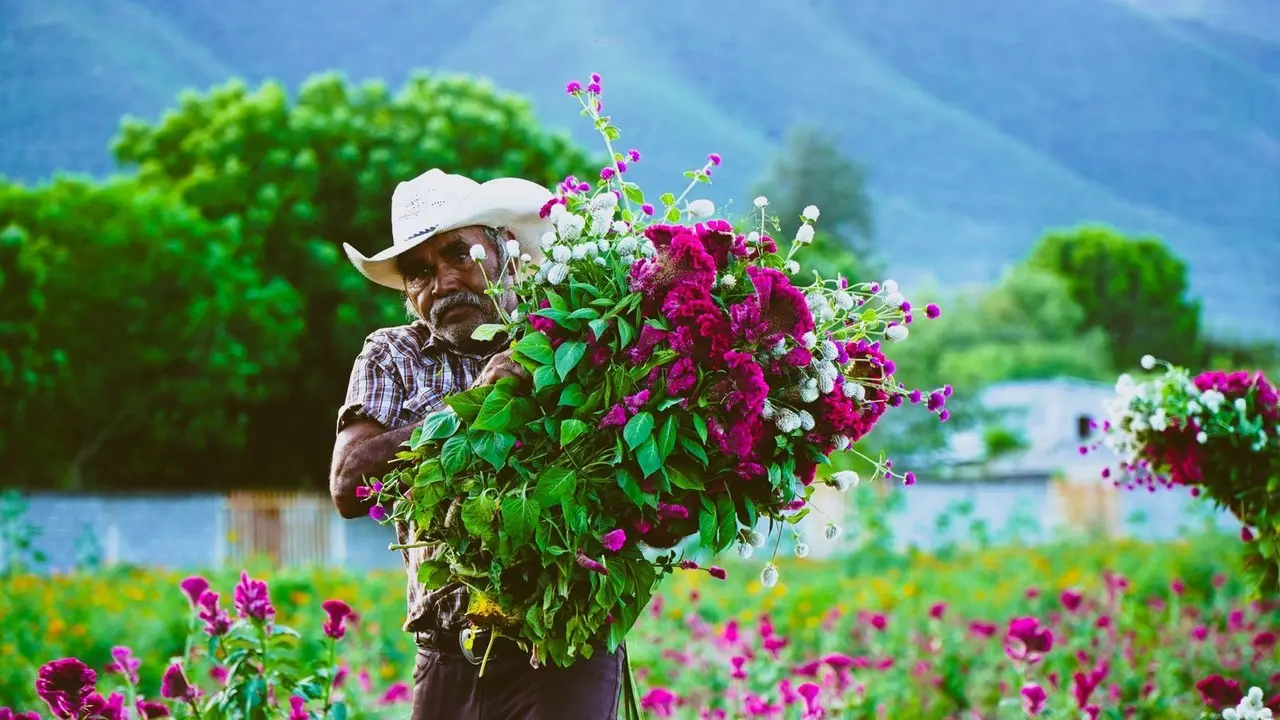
point(981, 123)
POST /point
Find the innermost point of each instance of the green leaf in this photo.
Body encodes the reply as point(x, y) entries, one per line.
point(455, 454)
point(585, 313)
point(503, 409)
point(544, 377)
point(673, 214)
point(575, 516)
point(667, 437)
point(554, 485)
point(695, 450)
point(700, 427)
point(630, 487)
point(599, 327)
point(537, 348)
point(487, 331)
point(571, 430)
point(647, 456)
point(573, 396)
point(467, 404)
point(683, 480)
point(707, 525)
point(492, 447)
point(633, 193)
point(638, 429)
point(568, 356)
point(625, 334)
point(434, 576)
point(668, 198)
point(339, 711)
point(478, 514)
point(728, 529)
point(519, 516)
point(439, 424)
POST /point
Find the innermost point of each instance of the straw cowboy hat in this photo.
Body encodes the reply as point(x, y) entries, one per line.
point(436, 202)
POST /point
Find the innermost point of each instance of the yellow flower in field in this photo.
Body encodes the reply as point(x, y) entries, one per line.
point(134, 592)
point(754, 587)
point(812, 622)
point(77, 630)
point(56, 626)
point(298, 597)
point(909, 590)
point(388, 672)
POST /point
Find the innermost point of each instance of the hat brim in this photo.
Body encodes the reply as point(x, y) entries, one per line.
point(509, 203)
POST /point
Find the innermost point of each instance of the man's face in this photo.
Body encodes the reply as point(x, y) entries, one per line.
point(446, 287)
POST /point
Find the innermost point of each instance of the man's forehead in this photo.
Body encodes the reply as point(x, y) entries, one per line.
point(468, 235)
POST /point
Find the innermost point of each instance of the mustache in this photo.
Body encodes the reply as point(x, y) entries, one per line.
point(462, 298)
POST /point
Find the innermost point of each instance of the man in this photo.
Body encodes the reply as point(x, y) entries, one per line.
point(404, 373)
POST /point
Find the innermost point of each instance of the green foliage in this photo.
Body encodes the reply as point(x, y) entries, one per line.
point(159, 326)
point(1133, 289)
point(296, 176)
point(26, 372)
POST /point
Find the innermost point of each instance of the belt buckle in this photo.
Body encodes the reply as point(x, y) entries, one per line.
point(467, 635)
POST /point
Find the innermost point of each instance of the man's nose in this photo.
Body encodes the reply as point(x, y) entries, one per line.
point(448, 280)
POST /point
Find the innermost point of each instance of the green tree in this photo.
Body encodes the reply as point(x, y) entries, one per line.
point(1134, 289)
point(810, 169)
point(299, 176)
point(164, 327)
point(25, 374)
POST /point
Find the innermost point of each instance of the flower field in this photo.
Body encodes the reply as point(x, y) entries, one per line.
point(1111, 630)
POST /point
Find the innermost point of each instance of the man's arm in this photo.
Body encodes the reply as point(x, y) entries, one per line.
point(364, 449)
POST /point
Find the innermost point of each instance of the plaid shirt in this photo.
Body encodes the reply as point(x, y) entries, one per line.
point(400, 376)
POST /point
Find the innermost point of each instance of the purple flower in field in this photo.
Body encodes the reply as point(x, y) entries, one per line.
point(1033, 699)
point(932, 311)
point(366, 491)
point(124, 663)
point(614, 540)
point(659, 701)
point(298, 708)
point(397, 693)
point(688, 565)
point(1199, 632)
point(98, 708)
point(588, 563)
point(573, 88)
point(634, 155)
point(378, 513)
point(1026, 641)
point(936, 401)
point(11, 714)
point(64, 685)
point(216, 621)
point(194, 587)
point(714, 159)
point(335, 625)
point(647, 209)
point(607, 173)
point(252, 599)
point(909, 478)
point(616, 417)
point(149, 709)
point(175, 686)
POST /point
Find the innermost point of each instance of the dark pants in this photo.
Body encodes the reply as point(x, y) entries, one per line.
point(446, 686)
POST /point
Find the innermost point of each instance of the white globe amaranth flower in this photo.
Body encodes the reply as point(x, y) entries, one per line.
point(779, 348)
point(478, 253)
point(1241, 405)
point(809, 383)
point(760, 201)
point(548, 239)
point(802, 550)
point(809, 394)
point(831, 532)
point(1193, 408)
point(897, 333)
point(845, 301)
point(753, 238)
point(1148, 362)
point(745, 551)
point(582, 251)
point(604, 201)
point(570, 226)
point(890, 286)
point(854, 390)
point(792, 267)
point(767, 412)
point(827, 385)
point(788, 421)
point(829, 351)
point(561, 254)
point(702, 209)
point(845, 479)
point(806, 419)
point(526, 258)
point(603, 246)
point(601, 261)
point(557, 273)
point(769, 575)
point(628, 245)
point(843, 442)
point(810, 213)
point(728, 280)
point(756, 538)
point(513, 248)
point(619, 227)
point(556, 211)
point(804, 235)
point(1202, 437)
point(809, 340)
point(1159, 421)
point(894, 299)
point(648, 249)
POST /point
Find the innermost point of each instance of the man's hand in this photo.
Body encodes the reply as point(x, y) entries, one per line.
point(501, 366)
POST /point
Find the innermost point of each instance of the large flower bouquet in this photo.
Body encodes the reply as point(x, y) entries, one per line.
point(1217, 433)
point(683, 385)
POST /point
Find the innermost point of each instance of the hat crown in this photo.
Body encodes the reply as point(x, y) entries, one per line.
point(417, 205)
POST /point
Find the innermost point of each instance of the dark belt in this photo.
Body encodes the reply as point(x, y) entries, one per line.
point(454, 644)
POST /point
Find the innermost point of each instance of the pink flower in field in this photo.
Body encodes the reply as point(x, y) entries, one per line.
point(149, 709)
point(216, 621)
point(1219, 692)
point(1026, 641)
point(175, 686)
point(982, 630)
point(668, 511)
point(591, 564)
point(298, 708)
point(660, 701)
point(838, 661)
point(366, 683)
point(124, 663)
point(1264, 641)
point(938, 610)
point(1085, 683)
point(1071, 600)
point(731, 634)
point(773, 644)
point(194, 587)
point(614, 540)
point(717, 572)
point(738, 672)
point(11, 714)
point(810, 692)
point(1103, 622)
point(1199, 632)
point(218, 674)
point(1177, 586)
point(788, 694)
point(65, 685)
point(878, 621)
point(808, 669)
point(1235, 620)
point(397, 693)
point(1033, 699)
point(335, 624)
point(252, 599)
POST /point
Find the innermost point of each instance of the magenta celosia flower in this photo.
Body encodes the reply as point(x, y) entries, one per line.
point(614, 540)
point(809, 691)
point(150, 709)
point(738, 671)
point(64, 685)
point(982, 630)
point(1026, 641)
point(591, 564)
point(124, 663)
point(659, 701)
point(298, 708)
point(717, 572)
point(175, 686)
point(1177, 586)
point(1033, 699)
point(11, 714)
point(1219, 692)
point(670, 511)
point(397, 693)
point(682, 376)
point(1083, 684)
point(335, 624)
point(1264, 641)
point(194, 587)
point(1071, 600)
point(216, 621)
point(938, 610)
point(252, 599)
point(100, 708)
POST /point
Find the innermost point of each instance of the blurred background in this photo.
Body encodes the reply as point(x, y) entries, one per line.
point(1076, 182)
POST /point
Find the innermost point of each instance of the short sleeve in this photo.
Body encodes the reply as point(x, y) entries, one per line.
point(374, 391)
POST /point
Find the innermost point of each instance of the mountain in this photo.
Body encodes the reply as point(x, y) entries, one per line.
point(981, 123)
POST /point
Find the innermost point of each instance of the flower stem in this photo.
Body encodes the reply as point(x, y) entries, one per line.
point(333, 670)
